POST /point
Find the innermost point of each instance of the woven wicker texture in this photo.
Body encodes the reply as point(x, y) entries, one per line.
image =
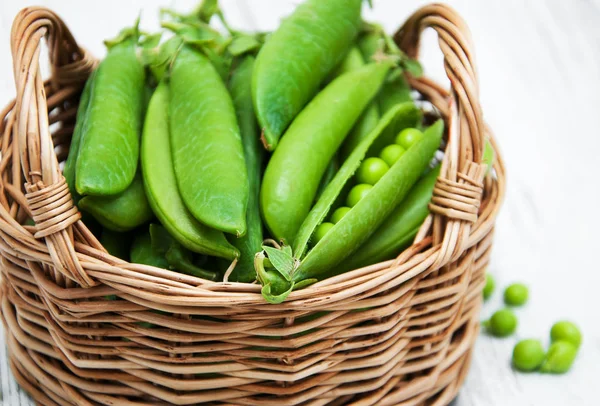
point(399, 332)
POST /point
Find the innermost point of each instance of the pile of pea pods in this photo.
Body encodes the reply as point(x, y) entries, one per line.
point(284, 157)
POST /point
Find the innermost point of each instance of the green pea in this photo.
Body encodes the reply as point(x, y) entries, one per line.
point(391, 153)
point(516, 294)
point(297, 58)
point(488, 289)
point(357, 193)
point(528, 355)
point(502, 323)
point(371, 170)
point(566, 331)
point(339, 213)
point(321, 230)
point(559, 358)
point(408, 137)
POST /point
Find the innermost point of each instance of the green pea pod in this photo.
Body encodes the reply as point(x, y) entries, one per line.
point(330, 172)
point(142, 252)
point(351, 62)
point(117, 244)
point(297, 58)
point(488, 155)
point(364, 218)
point(404, 115)
point(175, 254)
point(396, 89)
point(398, 230)
point(369, 43)
point(109, 150)
point(161, 186)
point(207, 148)
point(82, 113)
point(369, 118)
point(292, 176)
point(250, 244)
point(122, 212)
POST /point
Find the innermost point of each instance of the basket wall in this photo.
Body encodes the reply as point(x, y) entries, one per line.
point(399, 332)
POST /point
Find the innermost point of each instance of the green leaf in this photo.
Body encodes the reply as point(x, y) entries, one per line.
point(281, 260)
point(161, 240)
point(150, 41)
point(126, 34)
point(159, 59)
point(275, 298)
point(207, 9)
point(304, 283)
point(394, 74)
point(243, 44)
point(287, 249)
point(413, 67)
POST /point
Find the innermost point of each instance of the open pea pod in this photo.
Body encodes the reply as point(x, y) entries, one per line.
point(361, 221)
point(399, 229)
point(404, 115)
point(364, 218)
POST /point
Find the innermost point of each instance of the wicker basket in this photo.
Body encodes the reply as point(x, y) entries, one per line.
point(399, 332)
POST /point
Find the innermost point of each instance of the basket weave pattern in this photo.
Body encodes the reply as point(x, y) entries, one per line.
point(398, 332)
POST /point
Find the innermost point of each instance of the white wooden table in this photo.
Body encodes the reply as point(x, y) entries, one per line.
point(539, 67)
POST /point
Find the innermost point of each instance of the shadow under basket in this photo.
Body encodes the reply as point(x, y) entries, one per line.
point(396, 333)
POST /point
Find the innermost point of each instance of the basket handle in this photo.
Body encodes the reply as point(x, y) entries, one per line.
point(47, 194)
point(459, 189)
